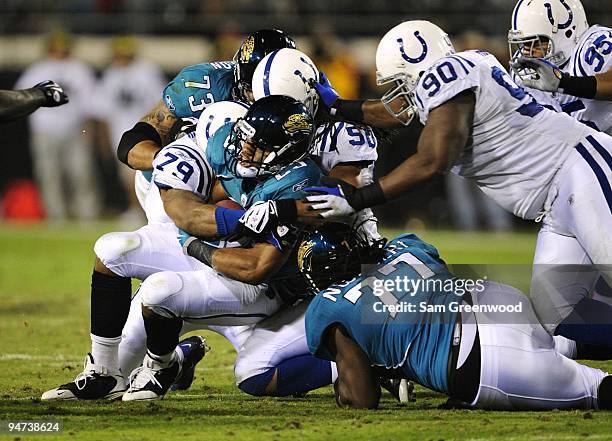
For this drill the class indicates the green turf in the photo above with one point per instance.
(44, 333)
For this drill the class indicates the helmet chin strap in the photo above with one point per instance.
(246, 172)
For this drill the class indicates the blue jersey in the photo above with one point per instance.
(197, 86)
(289, 183)
(416, 339)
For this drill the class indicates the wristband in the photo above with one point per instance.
(583, 87)
(227, 220)
(368, 196)
(201, 251)
(349, 109)
(286, 210)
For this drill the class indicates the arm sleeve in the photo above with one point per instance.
(15, 104)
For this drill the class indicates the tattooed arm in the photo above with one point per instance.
(140, 155)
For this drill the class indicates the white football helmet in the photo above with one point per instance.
(287, 72)
(561, 23)
(215, 116)
(403, 54)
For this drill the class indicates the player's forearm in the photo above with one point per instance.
(249, 265)
(414, 171)
(604, 86)
(199, 220)
(189, 212)
(375, 114)
(15, 104)
(140, 157)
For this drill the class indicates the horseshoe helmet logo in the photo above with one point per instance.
(551, 19)
(418, 59)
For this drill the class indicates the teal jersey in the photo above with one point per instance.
(289, 183)
(416, 339)
(197, 86)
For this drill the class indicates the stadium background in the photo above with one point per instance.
(341, 37)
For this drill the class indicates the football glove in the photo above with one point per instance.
(338, 199)
(538, 73)
(262, 217)
(54, 93)
(326, 91)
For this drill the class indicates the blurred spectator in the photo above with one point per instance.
(61, 147)
(336, 61)
(128, 89)
(228, 40)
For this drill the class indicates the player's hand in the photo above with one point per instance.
(538, 73)
(259, 219)
(54, 93)
(333, 201)
(326, 91)
(283, 237)
(182, 127)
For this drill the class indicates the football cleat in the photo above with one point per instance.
(194, 348)
(401, 389)
(152, 380)
(94, 383)
(604, 393)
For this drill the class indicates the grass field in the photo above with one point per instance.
(44, 335)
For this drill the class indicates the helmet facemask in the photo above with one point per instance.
(249, 156)
(399, 99)
(533, 46)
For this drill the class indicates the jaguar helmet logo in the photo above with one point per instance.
(304, 253)
(247, 49)
(296, 123)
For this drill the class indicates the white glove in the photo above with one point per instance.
(538, 73)
(334, 206)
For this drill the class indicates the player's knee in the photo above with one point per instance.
(158, 290)
(112, 248)
(257, 385)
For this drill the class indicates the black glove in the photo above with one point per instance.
(182, 127)
(54, 93)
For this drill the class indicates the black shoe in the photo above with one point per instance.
(194, 348)
(94, 383)
(152, 380)
(401, 389)
(604, 393)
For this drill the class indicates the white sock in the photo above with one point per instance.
(163, 361)
(105, 351)
(334, 372)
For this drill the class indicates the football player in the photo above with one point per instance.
(15, 104)
(259, 157)
(534, 162)
(554, 50)
(463, 343)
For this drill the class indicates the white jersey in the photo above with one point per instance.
(592, 56)
(517, 145)
(182, 166)
(345, 143)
